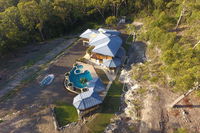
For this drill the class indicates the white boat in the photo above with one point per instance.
(47, 80)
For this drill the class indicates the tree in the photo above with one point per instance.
(4, 4)
(32, 16)
(11, 31)
(99, 5)
(62, 9)
(83, 80)
(159, 4)
(111, 20)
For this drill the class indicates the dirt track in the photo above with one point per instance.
(29, 110)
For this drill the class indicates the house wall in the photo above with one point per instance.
(100, 57)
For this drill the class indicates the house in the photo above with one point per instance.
(109, 31)
(88, 34)
(96, 85)
(108, 50)
(87, 100)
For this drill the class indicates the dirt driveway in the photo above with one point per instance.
(29, 110)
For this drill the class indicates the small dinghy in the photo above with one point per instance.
(47, 80)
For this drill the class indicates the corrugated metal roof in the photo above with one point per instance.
(115, 62)
(86, 100)
(99, 39)
(96, 85)
(110, 47)
(121, 52)
(89, 33)
(109, 31)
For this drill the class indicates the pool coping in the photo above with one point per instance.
(87, 67)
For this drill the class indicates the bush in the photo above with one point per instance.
(89, 50)
(112, 20)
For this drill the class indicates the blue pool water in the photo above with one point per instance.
(76, 74)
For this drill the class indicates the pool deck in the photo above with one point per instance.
(94, 75)
(89, 68)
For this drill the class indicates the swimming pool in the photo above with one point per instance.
(76, 74)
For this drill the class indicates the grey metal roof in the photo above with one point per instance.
(99, 39)
(115, 62)
(96, 85)
(109, 31)
(87, 100)
(121, 52)
(89, 33)
(110, 47)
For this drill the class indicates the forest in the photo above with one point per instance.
(26, 21)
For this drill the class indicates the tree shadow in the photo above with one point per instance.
(187, 106)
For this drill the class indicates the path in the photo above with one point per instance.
(29, 111)
(25, 73)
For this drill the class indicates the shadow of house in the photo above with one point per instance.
(137, 53)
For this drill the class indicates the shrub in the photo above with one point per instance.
(112, 20)
(89, 50)
(83, 80)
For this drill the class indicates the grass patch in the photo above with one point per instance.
(181, 130)
(142, 90)
(65, 114)
(1, 121)
(102, 76)
(101, 120)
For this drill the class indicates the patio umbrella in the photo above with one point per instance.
(115, 62)
(96, 85)
(86, 100)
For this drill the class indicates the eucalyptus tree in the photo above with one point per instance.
(99, 5)
(62, 9)
(11, 30)
(32, 16)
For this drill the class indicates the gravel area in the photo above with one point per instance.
(29, 110)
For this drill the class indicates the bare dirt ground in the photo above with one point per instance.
(155, 114)
(23, 57)
(29, 111)
(158, 116)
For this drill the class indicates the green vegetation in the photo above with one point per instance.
(174, 59)
(89, 50)
(65, 114)
(112, 20)
(102, 76)
(181, 130)
(83, 80)
(126, 46)
(101, 120)
(1, 121)
(26, 21)
(142, 90)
